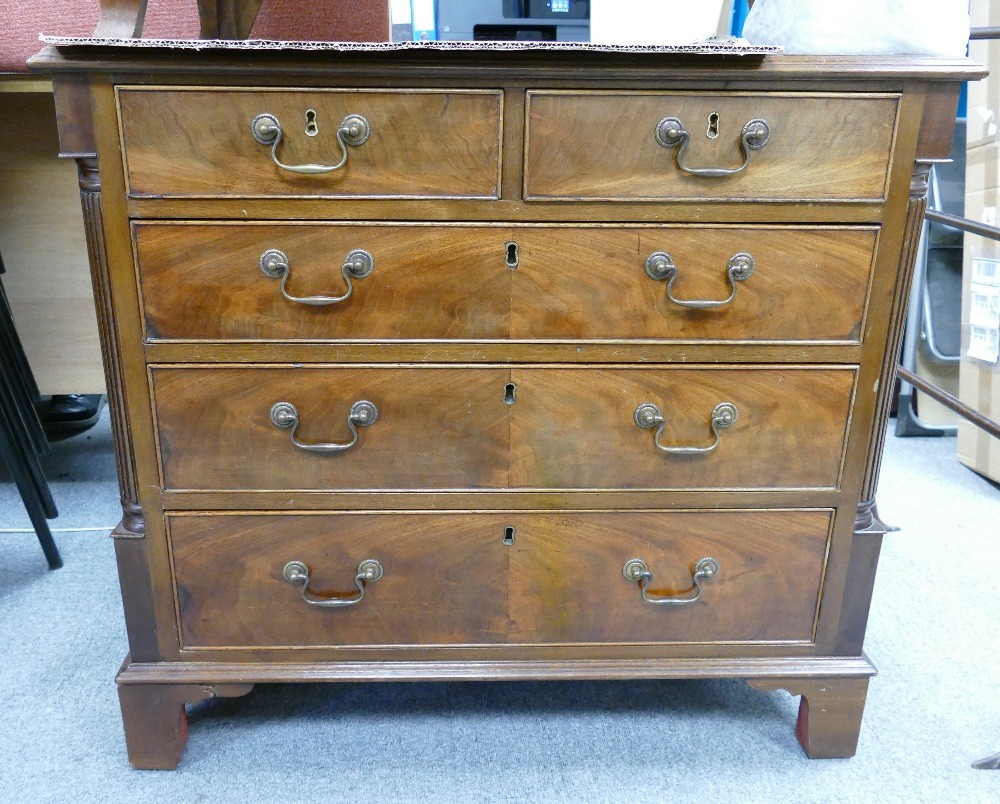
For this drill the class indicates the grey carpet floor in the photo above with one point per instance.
(934, 708)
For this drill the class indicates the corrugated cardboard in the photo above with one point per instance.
(984, 96)
(982, 169)
(979, 380)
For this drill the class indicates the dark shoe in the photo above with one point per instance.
(63, 415)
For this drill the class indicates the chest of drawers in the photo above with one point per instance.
(489, 364)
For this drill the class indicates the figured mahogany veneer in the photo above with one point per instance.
(423, 144)
(203, 282)
(464, 428)
(507, 335)
(599, 145)
(452, 579)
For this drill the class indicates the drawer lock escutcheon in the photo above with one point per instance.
(647, 416)
(353, 131)
(297, 574)
(363, 414)
(660, 265)
(358, 264)
(670, 133)
(637, 571)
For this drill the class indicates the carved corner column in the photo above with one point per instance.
(868, 525)
(867, 511)
(129, 536)
(132, 525)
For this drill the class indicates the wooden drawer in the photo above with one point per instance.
(603, 146)
(521, 578)
(436, 428)
(482, 428)
(204, 281)
(422, 143)
(592, 284)
(575, 428)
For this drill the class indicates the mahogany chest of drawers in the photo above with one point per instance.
(498, 364)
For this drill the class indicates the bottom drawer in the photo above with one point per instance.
(499, 578)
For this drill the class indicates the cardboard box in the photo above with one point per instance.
(979, 370)
(982, 168)
(984, 96)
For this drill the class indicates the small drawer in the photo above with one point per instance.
(252, 282)
(488, 579)
(437, 428)
(259, 428)
(680, 428)
(723, 283)
(406, 143)
(592, 146)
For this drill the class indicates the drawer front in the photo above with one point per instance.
(604, 146)
(204, 281)
(576, 428)
(725, 283)
(440, 583)
(483, 428)
(519, 578)
(436, 428)
(422, 144)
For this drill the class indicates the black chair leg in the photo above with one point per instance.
(33, 502)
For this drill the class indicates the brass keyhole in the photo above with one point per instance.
(512, 256)
(713, 126)
(311, 128)
(508, 535)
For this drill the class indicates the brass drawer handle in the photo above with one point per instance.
(670, 133)
(297, 574)
(647, 416)
(636, 570)
(354, 130)
(358, 263)
(660, 265)
(363, 414)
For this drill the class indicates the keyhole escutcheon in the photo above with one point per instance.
(311, 128)
(510, 260)
(510, 394)
(508, 535)
(713, 126)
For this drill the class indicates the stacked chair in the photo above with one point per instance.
(22, 439)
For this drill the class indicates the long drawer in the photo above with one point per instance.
(652, 146)
(433, 427)
(412, 143)
(521, 578)
(537, 283)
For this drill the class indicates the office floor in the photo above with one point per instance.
(934, 708)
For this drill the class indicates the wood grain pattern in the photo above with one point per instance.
(451, 282)
(204, 282)
(437, 428)
(591, 284)
(598, 145)
(423, 144)
(445, 579)
(450, 428)
(573, 428)
(567, 583)
(451, 579)
(845, 135)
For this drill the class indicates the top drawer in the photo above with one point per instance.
(593, 146)
(420, 143)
